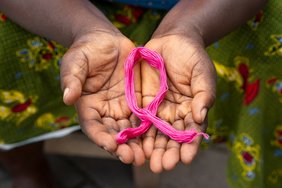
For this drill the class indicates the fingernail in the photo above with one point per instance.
(203, 114)
(66, 92)
(106, 149)
(120, 158)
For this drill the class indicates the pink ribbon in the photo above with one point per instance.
(147, 115)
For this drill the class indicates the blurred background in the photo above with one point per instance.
(78, 163)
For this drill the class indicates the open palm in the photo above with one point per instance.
(191, 81)
(93, 78)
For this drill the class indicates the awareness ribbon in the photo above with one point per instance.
(147, 115)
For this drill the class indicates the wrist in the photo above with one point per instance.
(177, 22)
(90, 29)
(90, 19)
(190, 32)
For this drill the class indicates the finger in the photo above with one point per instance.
(172, 154)
(188, 151)
(125, 153)
(189, 123)
(148, 142)
(150, 135)
(91, 124)
(99, 134)
(158, 152)
(136, 147)
(134, 144)
(200, 105)
(73, 73)
(203, 86)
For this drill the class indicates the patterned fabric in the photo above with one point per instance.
(30, 96)
(246, 115)
(248, 110)
(156, 4)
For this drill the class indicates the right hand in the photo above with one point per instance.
(191, 82)
(92, 77)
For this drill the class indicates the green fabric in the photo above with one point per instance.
(247, 113)
(30, 97)
(248, 110)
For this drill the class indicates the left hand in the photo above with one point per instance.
(191, 80)
(92, 76)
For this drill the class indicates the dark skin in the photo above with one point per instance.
(92, 69)
(97, 70)
(181, 39)
(182, 100)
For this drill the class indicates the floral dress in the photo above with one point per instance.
(248, 110)
(247, 114)
(30, 98)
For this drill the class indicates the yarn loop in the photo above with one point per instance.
(147, 115)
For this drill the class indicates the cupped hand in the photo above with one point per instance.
(191, 80)
(92, 77)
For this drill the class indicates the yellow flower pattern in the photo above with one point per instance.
(14, 106)
(40, 54)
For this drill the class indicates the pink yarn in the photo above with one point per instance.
(148, 114)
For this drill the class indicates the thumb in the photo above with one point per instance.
(203, 85)
(73, 71)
